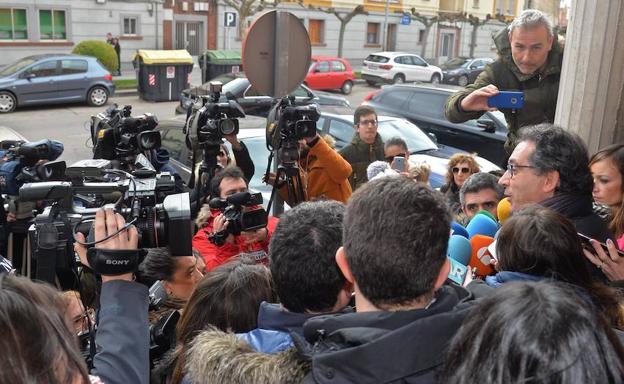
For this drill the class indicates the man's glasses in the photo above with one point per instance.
(462, 170)
(389, 159)
(369, 122)
(513, 168)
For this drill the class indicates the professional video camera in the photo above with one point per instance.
(20, 160)
(287, 124)
(243, 212)
(116, 135)
(53, 232)
(208, 120)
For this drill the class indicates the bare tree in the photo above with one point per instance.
(246, 8)
(428, 22)
(344, 17)
(475, 22)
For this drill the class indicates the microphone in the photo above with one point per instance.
(482, 225)
(481, 257)
(503, 211)
(488, 214)
(458, 229)
(457, 272)
(459, 249)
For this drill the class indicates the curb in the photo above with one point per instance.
(126, 92)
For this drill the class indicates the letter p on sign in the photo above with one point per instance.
(230, 19)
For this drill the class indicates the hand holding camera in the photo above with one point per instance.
(477, 101)
(108, 223)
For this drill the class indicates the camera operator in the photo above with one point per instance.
(324, 173)
(41, 350)
(251, 244)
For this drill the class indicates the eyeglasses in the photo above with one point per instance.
(368, 122)
(462, 170)
(389, 159)
(513, 168)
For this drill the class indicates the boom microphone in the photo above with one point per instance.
(503, 211)
(459, 249)
(458, 229)
(481, 225)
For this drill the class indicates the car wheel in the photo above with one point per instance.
(371, 83)
(97, 96)
(347, 87)
(398, 79)
(463, 81)
(8, 102)
(435, 79)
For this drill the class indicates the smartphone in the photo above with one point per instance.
(507, 99)
(398, 164)
(585, 241)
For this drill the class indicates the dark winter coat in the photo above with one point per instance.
(540, 89)
(360, 155)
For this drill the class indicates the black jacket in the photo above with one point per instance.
(579, 210)
(384, 347)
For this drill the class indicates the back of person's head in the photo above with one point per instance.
(535, 333)
(228, 298)
(478, 182)
(540, 242)
(561, 151)
(615, 154)
(38, 345)
(395, 240)
(302, 257)
(420, 172)
(396, 142)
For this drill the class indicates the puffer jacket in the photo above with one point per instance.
(540, 89)
(360, 155)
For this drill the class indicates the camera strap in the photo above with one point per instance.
(115, 262)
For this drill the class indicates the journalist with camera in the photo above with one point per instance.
(233, 224)
(309, 167)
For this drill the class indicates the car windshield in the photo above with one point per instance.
(259, 155)
(417, 141)
(455, 63)
(12, 68)
(236, 86)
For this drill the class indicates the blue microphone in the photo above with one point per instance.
(457, 272)
(458, 229)
(459, 249)
(481, 225)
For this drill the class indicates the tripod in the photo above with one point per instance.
(207, 170)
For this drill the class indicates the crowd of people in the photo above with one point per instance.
(512, 277)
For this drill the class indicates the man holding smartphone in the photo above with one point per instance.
(529, 61)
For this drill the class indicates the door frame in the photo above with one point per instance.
(203, 43)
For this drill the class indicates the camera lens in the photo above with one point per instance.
(228, 126)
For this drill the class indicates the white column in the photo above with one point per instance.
(591, 90)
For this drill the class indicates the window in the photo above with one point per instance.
(341, 131)
(428, 104)
(475, 3)
(322, 66)
(394, 98)
(421, 36)
(316, 30)
(44, 69)
(372, 33)
(130, 26)
(13, 24)
(338, 66)
(418, 61)
(403, 60)
(52, 25)
(69, 67)
(174, 141)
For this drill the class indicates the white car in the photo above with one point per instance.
(397, 68)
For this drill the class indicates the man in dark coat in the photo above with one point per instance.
(114, 41)
(529, 61)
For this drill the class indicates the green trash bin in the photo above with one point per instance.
(162, 74)
(217, 62)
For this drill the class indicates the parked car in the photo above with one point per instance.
(252, 102)
(398, 68)
(330, 73)
(424, 106)
(51, 79)
(463, 70)
(252, 132)
(421, 146)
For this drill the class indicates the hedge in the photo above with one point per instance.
(99, 49)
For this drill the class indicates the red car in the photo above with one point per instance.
(330, 73)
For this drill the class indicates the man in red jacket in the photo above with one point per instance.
(251, 244)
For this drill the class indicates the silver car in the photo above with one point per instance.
(51, 79)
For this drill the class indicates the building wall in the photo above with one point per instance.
(85, 20)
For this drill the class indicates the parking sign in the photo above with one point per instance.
(230, 19)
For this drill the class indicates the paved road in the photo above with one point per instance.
(69, 122)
